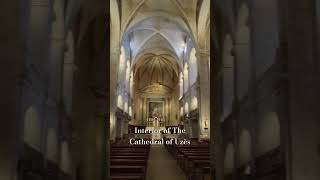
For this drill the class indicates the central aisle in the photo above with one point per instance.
(162, 165)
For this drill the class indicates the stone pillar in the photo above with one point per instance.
(102, 146)
(119, 124)
(125, 127)
(54, 114)
(169, 112)
(114, 59)
(303, 71)
(11, 56)
(68, 70)
(144, 111)
(204, 81)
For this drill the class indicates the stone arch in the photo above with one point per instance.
(244, 146)
(155, 33)
(229, 159)
(180, 21)
(242, 49)
(133, 20)
(32, 128)
(228, 76)
(167, 51)
(268, 132)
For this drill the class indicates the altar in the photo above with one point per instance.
(155, 122)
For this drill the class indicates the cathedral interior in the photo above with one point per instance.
(238, 79)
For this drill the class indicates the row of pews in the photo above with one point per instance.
(128, 162)
(193, 159)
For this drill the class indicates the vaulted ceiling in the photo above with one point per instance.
(156, 29)
(157, 32)
(156, 69)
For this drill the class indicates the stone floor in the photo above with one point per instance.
(162, 166)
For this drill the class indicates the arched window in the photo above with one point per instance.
(186, 108)
(131, 84)
(120, 102)
(181, 85)
(65, 158)
(229, 159)
(32, 128)
(186, 77)
(128, 73)
(244, 146)
(52, 145)
(193, 73)
(126, 107)
(122, 65)
(268, 132)
(194, 103)
(130, 111)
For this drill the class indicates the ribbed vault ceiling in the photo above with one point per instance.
(157, 32)
(152, 68)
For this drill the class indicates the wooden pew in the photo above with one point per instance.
(134, 172)
(194, 160)
(128, 162)
(129, 154)
(127, 177)
(184, 163)
(127, 157)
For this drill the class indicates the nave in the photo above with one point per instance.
(78, 75)
(163, 166)
(156, 162)
(161, 81)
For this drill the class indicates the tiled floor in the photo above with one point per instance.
(162, 166)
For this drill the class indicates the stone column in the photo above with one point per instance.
(102, 146)
(167, 121)
(303, 71)
(125, 127)
(144, 111)
(113, 79)
(204, 81)
(11, 56)
(56, 56)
